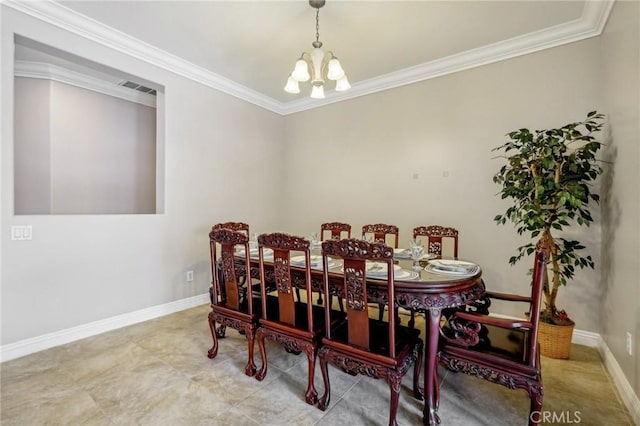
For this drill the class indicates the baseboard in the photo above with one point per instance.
(586, 338)
(625, 390)
(46, 341)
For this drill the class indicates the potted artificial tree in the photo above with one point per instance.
(548, 177)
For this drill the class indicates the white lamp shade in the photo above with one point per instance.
(301, 71)
(335, 71)
(292, 86)
(317, 92)
(342, 84)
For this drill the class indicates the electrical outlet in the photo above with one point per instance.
(629, 344)
(189, 276)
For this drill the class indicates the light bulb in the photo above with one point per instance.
(317, 92)
(335, 71)
(301, 71)
(342, 84)
(292, 86)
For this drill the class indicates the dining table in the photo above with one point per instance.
(419, 287)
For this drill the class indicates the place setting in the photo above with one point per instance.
(315, 260)
(452, 267)
(379, 270)
(254, 252)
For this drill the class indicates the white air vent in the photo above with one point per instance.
(138, 87)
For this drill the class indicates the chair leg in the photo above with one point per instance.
(323, 403)
(436, 385)
(340, 304)
(250, 369)
(214, 334)
(311, 396)
(260, 375)
(536, 395)
(418, 392)
(380, 311)
(394, 380)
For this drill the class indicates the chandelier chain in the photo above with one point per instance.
(317, 25)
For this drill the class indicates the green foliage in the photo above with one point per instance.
(548, 178)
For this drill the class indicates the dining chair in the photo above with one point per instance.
(233, 303)
(296, 325)
(379, 232)
(363, 345)
(234, 226)
(335, 230)
(435, 235)
(500, 350)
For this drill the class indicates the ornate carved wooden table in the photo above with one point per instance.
(429, 294)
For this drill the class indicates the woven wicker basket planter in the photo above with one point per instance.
(555, 340)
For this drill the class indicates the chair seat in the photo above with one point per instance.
(489, 360)
(406, 339)
(301, 326)
(509, 344)
(242, 313)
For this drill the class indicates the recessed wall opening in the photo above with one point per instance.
(87, 137)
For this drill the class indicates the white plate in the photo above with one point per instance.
(316, 262)
(299, 260)
(403, 274)
(435, 270)
(379, 269)
(406, 254)
(398, 273)
(254, 253)
(450, 265)
(402, 253)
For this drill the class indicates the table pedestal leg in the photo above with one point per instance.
(432, 333)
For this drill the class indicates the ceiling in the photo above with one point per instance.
(251, 46)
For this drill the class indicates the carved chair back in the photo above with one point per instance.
(379, 231)
(228, 282)
(336, 229)
(435, 235)
(282, 246)
(355, 254)
(234, 226)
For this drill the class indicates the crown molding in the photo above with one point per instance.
(61, 16)
(590, 24)
(44, 71)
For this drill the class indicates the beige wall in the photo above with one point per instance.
(621, 207)
(354, 161)
(83, 268)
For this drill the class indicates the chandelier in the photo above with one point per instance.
(317, 66)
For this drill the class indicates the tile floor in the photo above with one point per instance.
(157, 373)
